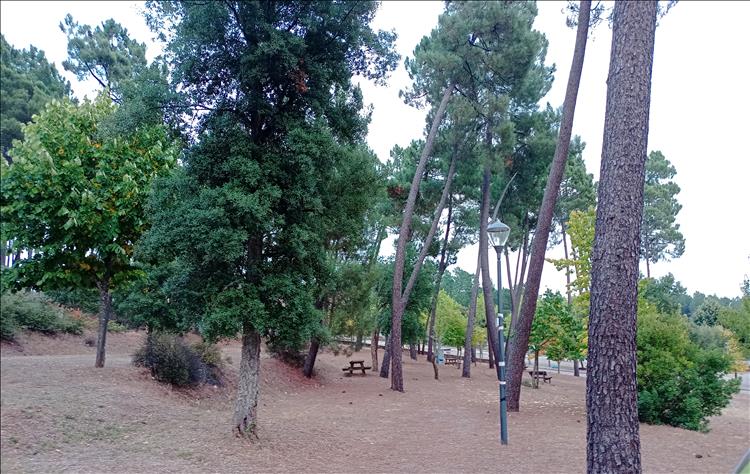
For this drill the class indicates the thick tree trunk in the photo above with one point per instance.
(613, 440)
(246, 407)
(105, 313)
(441, 270)
(468, 348)
(385, 366)
(489, 308)
(312, 354)
(374, 341)
(358, 342)
(412, 351)
(520, 343)
(397, 304)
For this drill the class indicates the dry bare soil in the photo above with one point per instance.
(61, 414)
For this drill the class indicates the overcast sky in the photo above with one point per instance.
(699, 108)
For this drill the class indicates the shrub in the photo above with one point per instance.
(210, 354)
(680, 383)
(8, 326)
(171, 360)
(115, 327)
(32, 311)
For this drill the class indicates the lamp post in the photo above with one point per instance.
(498, 235)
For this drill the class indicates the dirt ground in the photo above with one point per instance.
(58, 413)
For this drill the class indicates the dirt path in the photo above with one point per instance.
(60, 414)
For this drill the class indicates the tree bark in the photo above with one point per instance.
(246, 407)
(385, 366)
(441, 270)
(520, 343)
(468, 348)
(397, 297)
(648, 268)
(489, 307)
(613, 440)
(105, 313)
(412, 351)
(374, 341)
(358, 342)
(312, 354)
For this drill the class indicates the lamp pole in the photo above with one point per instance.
(498, 235)
(501, 351)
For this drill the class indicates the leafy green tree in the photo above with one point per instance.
(707, 313)
(76, 197)
(660, 234)
(737, 320)
(680, 383)
(28, 83)
(279, 127)
(105, 53)
(665, 293)
(450, 325)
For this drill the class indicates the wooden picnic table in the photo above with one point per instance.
(356, 365)
(453, 360)
(541, 374)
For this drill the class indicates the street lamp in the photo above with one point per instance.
(498, 234)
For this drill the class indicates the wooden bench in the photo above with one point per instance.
(453, 360)
(355, 365)
(541, 374)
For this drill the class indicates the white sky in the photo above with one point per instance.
(699, 109)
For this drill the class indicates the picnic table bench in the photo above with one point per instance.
(356, 365)
(453, 360)
(541, 374)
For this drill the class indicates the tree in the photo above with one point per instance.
(681, 370)
(105, 53)
(665, 293)
(613, 441)
(708, 312)
(519, 338)
(277, 128)
(737, 320)
(28, 83)
(660, 234)
(77, 198)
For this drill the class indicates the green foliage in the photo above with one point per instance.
(209, 353)
(33, 311)
(708, 312)
(680, 383)
(556, 330)
(450, 321)
(85, 299)
(106, 53)
(737, 320)
(577, 191)
(116, 327)
(660, 234)
(665, 293)
(77, 198)
(581, 232)
(276, 184)
(171, 360)
(28, 83)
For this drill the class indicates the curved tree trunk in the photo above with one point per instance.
(397, 303)
(246, 408)
(576, 370)
(519, 342)
(105, 314)
(468, 349)
(613, 440)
